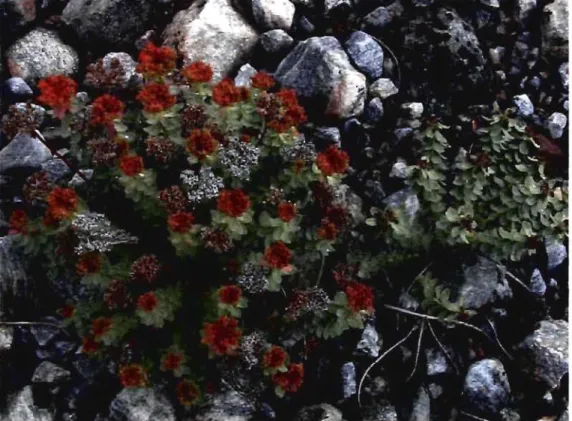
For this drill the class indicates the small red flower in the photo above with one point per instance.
(262, 80)
(147, 302)
(188, 392)
(327, 231)
(89, 345)
(333, 161)
(233, 202)
(275, 357)
(225, 93)
(62, 202)
(229, 294)
(156, 97)
(156, 61)
(360, 297)
(201, 143)
(18, 222)
(101, 326)
(337, 215)
(180, 221)
(66, 311)
(199, 72)
(105, 109)
(286, 211)
(88, 263)
(223, 336)
(172, 361)
(131, 165)
(133, 375)
(57, 92)
(278, 255)
(292, 379)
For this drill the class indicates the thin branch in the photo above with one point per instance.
(22, 323)
(60, 156)
(418, 350)
(498, 340)
(418, 276)
(381, 357)
(384, 45)
(321, 269)
(473, 416)
(518, 281)
(443, 348)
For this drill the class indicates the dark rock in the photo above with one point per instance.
(48, 372)
(322, 412)
(14, 282)
(88, 368)
(15, 90)
(556, 253)
(563, 71)
(537, 284)
(373, 112)
(524, 9)
(21, 407)
(555, 29)
(366, 54)
(302, 27)
(544, 353)
(226, 406)
(556, 124)
(401, 134)
(319, 70)
(486, 389)
(421, 410)
(326, 136)
(276, 42)
(273, 14)
(399, 170)
(369, 342)
(141, 404)
(408, 201)
(377, 20)
(349, 385)
(57, 169)
(112, 22)
(24, 154)
(382, 88)
(6, 338)
(15, 14)
(41, 53)
(437, 363)
(44, 333)
(484, 283)
(332, 7)
(382, 411)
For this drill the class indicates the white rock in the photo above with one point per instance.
(273, 14)
(383, 88)
(556, 124)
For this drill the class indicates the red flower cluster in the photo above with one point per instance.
(225, 93)
(262, 80)
(292, 379)
(181, 222)
(62, 203)
(89, 345)
(156, 97)
(147, 302)
(201, 143)
(105, 109)
(57, 92)
(275, 357)
(172, 361)
(327, 231)
(233, 202)
(290, 113)
(133, 375)
(229, 294)
(88, 263)
(188, 392)
(101, 326)
(18, 222)
(131, 165)
(278, 255)
(333, 161)
(286, 211)
(198, 72)
(360, 296)
(336, 218)
(223, 336)
(66, 311)
(156, 61)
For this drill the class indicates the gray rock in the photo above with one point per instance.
(435, 391)
(273, 14)
(349, 380)
(21, 407)
(497, 54)
(382, 88)
(48, 372)
(563, 71)
(405, 201)
(276, 41)
(524, 106)
(524, 9)
(141, 404)
(227, 406)
(41, 53)
(319, 69)
(378, 19)
(555, 251)
(544, 353)
(16, 89)
(483, 283)
(77, 181)
(412, 109)
(113, 22)
(555, 29)
(373, 112)
(322, 412)
(23, 154)
(6, 338)
(333, 5)
(366, 54)
(44, 333)
(14, 281)
(537, 284)
(421, 407)
(436, 362)
(244, 75)
(326, 136)
(564, 416)
(486, 387)
(369, 342)
(508, 414)
(382, 411)
(129, 77)
(57, 169)
(17, 13)
(399, 170)
(556, 124)
(212, 31)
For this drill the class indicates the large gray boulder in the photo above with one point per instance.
(41, 53)
(21, 407)
(555, 29)
(23, 154)
(319, 70)
(486, 389)
(214, 32)
(141, 404)
(113, 22)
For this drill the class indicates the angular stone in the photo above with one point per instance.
(412, 109)
(383, 88)
(537, 284)
(6, 337)
(544, 353)
(41, 53)
(112, 22)
(229, 405)
(21, 407)
(273, 14)
(378, 19)
(319, 70)
(23, 154)
(366, 54)
(326, 136)
(399, 170)
(486, 387)
(212, 31)
(383, 411)
(436, 362)
(44, 333)
(524, 9)
(405, 201)
(373, 112)
(556, 252)
(276, 41)
(56, 169)
(349, 385)
(16, 89)
(369, 342)
(421, 410)
(322, 412)
(141, 404)
(524, 105)
(14, 282)
(331, 6)
(556, 124)
(483, 283)
(244, 75)
(48, 372)
(555, 29)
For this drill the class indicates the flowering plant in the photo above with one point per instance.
(227, 215)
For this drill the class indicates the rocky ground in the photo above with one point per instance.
(367, 71)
